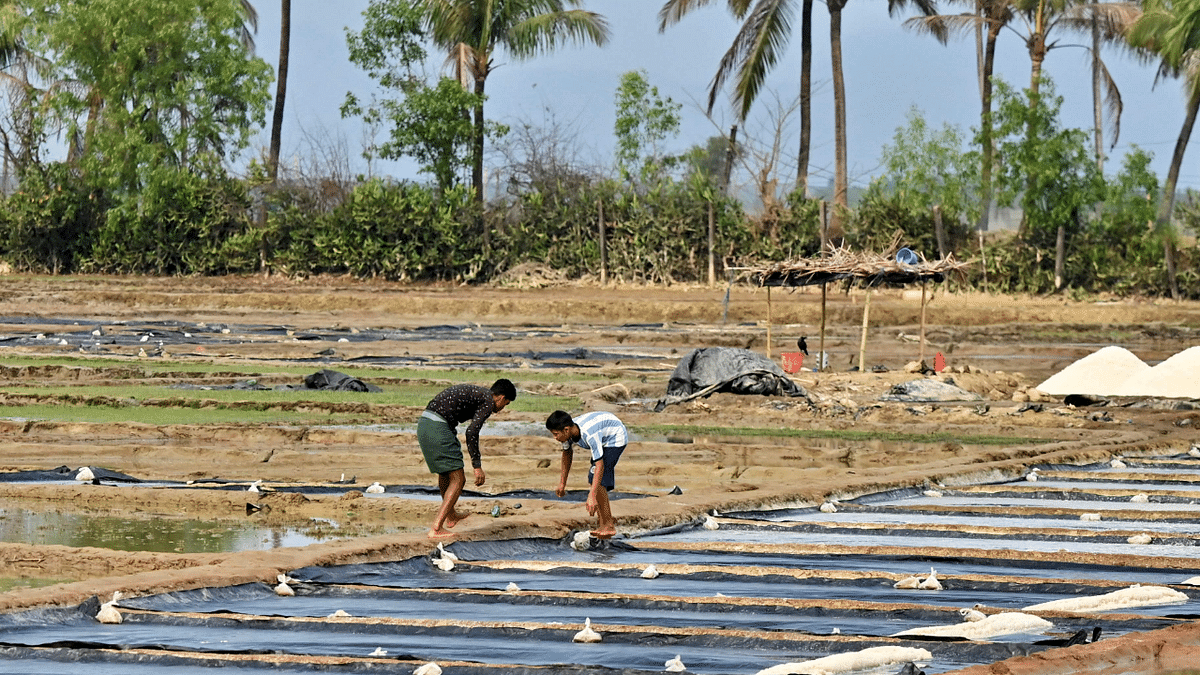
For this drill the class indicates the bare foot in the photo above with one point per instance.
(603, 534)
(455, 519)
(440, 534)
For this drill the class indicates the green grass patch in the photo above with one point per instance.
(841, 434)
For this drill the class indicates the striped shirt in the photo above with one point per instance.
(599, 430)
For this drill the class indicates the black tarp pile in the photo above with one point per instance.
(726, 369)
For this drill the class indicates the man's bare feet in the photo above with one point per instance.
(440, 534)
(455, 519)
(603, 534)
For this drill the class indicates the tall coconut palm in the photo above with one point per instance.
(472, 30)
(1170, 30)
(756, 49)
(281, 75)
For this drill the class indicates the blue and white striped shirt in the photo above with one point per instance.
(599, 430)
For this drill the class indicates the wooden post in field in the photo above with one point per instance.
(922, 320)
(603, 244)
(712, 245)
(940, 230)
(862, 346)
(821, 348)
(769, 321)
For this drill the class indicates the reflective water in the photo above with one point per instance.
(157, 533)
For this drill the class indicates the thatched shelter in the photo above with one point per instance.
(871, 269)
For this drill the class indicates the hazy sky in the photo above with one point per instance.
(888, 70)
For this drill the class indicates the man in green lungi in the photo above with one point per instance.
(438, 436)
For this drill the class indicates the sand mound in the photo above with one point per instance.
(1177, 377)
(1101, 373)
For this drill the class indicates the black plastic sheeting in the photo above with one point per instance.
(321, 601)
(711, 370)
(731, 655)
(64, 473)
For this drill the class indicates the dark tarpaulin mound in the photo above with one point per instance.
(332, 380)
(726, 369)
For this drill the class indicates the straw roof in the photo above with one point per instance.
(842, 263)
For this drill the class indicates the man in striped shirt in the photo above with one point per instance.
(605, 437)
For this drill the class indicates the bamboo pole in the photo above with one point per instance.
(769, 322)
(821, 350)
(862, 346)
(712, 246)
(922, 320)
(603, 244)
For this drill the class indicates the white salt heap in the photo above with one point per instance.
(1101, 373)
(1134, 596)
(1004, 623)
(1177, 377)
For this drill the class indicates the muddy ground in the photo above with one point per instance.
(998, 347)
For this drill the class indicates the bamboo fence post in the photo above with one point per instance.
(769, 322)
(603, 244)
(922, 321)
(712, 245)
(862, 346)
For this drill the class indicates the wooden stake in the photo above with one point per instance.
(603, 244)
(768, 322)
(922, 320)
(821, 353)
(862, 347)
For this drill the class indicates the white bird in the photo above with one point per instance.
(340, 614)
(675, 665)
(969, 614)
(710, 523)
(835, 631)
(1140, 539)
(254, 486)
(442, 552)
(283, 589)
(85, 474)
(1117, 463)
(444, 564)
(379, 651)
(375, 488)
(931, 582)
(587, 634)
(1140, 498)
(650, 572)
(907, 582)
(932, 493)
(144, 338)
(1089, 516)
(108, 613)
(828, 507)
(512, 587)
(430, 668)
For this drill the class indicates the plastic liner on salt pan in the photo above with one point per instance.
(709, 653)
(321, 601)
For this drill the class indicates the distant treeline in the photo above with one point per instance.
(184, 224)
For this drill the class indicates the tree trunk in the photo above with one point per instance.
(285, 34)
(840, 197)
(1097, 94)
(477, 164)
(805, 97)
(988, 152)
(1162, 223)
(730, 156)
(1060, 255)
(939, 231)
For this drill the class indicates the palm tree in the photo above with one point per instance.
(756, 49)
(1040, 19)
(1171, 30)
(285, 36)
(472, 30)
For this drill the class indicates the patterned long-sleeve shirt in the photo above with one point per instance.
(462, 402)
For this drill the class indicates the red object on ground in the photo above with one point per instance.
(939, 363)
(792, 361)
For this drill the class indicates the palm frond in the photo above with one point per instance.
(546, 32)
(1112, 101)
(673, 11)
(942, 26)
(771, 26)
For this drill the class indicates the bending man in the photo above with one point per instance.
(437, 434)
(605, 437)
